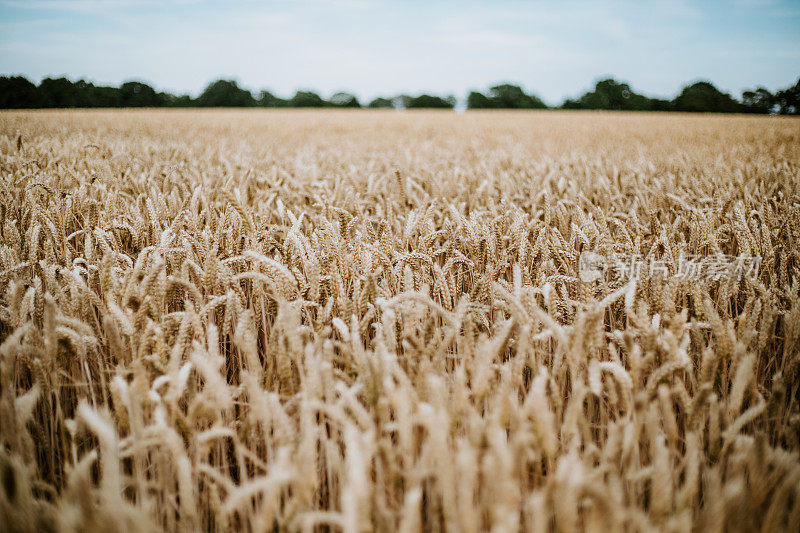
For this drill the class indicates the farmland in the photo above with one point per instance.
(248, 320)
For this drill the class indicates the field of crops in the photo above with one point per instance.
(313, 320)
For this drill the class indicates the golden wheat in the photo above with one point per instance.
(374, 320)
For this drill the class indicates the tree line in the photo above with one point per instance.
(17, 92)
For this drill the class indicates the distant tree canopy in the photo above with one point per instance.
(137, 94)
(611, 94)
(267, 99)
(701, 96)
(61, 92)
(476, 100)
(16, 92)
(704, 97)
(513, 97)
(342, 99)
(788, 100)
(306, 99)
(658, 104)
(758, 101)
(225, 93)
(380, 103)
(183, 100)
(426, 101)
(504, 96)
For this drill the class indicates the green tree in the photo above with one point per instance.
(704, 97)
(267, 99)
(380, 102)
(17, 92)
(659, 104)
(508, 96)
(138, 94)
(172, 100)
(59, 92)
(343, 99)
(426, 101)
(758, 101)
(611, 94)
(225, 93)
(788, 100)
(476, 100)
(99, 96)
(306, 99)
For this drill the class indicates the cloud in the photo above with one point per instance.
(83, 6)
(86, 5)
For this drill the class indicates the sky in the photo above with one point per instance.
(385, 47)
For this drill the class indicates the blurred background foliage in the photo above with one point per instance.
(17, 92)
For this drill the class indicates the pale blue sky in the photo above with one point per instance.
(554, 49)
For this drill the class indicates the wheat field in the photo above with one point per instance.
(352, 321)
